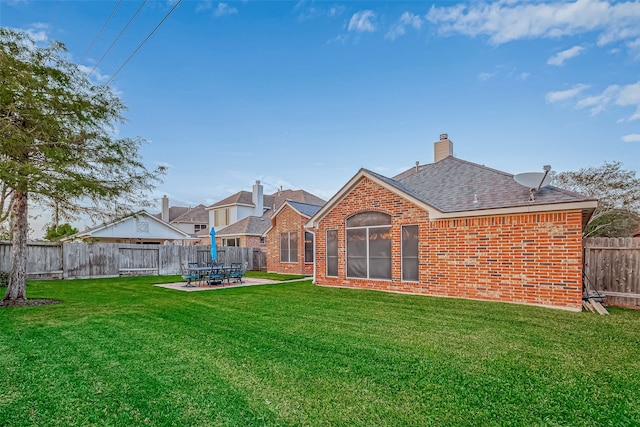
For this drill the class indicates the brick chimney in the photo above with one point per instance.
(165, 209)
(257, 197)
(443, 148)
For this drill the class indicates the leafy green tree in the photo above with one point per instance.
(618, 194)
(57, 232)
(58, 143)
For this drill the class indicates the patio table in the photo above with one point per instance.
(198, 271)
(218, 274)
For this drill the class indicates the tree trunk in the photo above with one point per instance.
(18, 278)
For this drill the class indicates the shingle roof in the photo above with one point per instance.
(305, 208)
(275, 200)
(271, 202)
(455, 185)
(196, 215)
(239, 198)
(252, 225)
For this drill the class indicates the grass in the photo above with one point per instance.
(275, 276)
(120, 352)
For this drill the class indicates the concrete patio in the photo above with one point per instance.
(246, 281)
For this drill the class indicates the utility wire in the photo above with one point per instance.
(143, 42)
(100, 32)
(119, 35)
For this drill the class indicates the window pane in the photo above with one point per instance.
(357, 243)
(380, 242)
(379, 268)
(369, 218)
(308, 247)
(410, 240)
(356, 267)
(410, 269)
(380, 252)
(293, 247)
(410, 253)
(357, 252)
(221, 217)
(332, 253)
(284, 247)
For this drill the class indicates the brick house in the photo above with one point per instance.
(454, 228)
(290, 248)
(243, 218)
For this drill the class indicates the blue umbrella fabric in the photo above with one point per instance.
(214, 251)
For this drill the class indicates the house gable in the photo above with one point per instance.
(288, 221)
(140, 225)
(362, 175)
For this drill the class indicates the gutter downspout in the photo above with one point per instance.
(313, 280)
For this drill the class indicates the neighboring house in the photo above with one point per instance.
(140, 227)
(290, 248)
(242, 218)
(457, 229)
(191, 220)
(246, 233)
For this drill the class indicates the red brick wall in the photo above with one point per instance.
(532, 258)
(286, 221)
(252, 242)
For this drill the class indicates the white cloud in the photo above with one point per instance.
(38, 31)
(613, 95)
(630, 96)
(225, 9)
(559, 58)
(598, 103)
(634, 47)
(362, 22)
(633, 137)
(204, 5)
(506, 20)
(563, 95)
(407, 19)
(310, 10)
(340, 39)
(95, 74)
(486, 76)
(336, 11)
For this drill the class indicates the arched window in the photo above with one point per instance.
(369, 245)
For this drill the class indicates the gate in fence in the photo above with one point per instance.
(612, 267)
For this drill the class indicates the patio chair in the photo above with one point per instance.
(190, 276)
(237, 272)
(216, 275)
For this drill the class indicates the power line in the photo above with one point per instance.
(100, 32)
(119, 35)
(144, 41)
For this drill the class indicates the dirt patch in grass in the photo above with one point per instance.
(27, 302)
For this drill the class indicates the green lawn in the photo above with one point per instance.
(120, 352)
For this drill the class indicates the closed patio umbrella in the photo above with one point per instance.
(214, 252)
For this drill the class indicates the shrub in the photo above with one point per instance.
(4, 279)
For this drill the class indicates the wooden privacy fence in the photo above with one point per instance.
(612, 267)
(83, 260)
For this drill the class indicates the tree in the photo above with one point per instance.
(58, 145)
(57, 232)
(618, 194)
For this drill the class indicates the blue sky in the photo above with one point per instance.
(303, 94)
